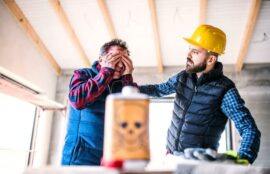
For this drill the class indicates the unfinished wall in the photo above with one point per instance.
(19, 56)
(253, 83)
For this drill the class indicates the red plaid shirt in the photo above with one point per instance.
(84, 88)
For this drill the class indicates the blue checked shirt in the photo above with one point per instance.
(233, 106)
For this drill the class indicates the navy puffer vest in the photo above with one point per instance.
(197, 119)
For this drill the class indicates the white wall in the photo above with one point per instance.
(19, 56)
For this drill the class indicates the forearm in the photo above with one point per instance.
(153, 90)
(84, 90)
(159, 90)
(250, 144)
(127, 80)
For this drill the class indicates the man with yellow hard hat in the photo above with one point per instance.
(205, 99)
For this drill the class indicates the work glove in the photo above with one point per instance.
(231, 157)
(208, 154)
(201, 154)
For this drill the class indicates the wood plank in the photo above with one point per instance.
(56, 4)
(12, 88)
(251, 22)
(27, 27)
(107, 18)
(203, 7)
(152, 8)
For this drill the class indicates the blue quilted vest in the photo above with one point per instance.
(85, 128)
(197, 119)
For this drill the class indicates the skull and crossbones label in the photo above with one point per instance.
(131, 129)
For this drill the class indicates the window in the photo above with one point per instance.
(159, 120)
(16, 126)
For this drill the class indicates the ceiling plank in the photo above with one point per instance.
(107, 18)
(203, 6)
(27, 27)
(251, 21)
(56, 4)
(152, 8)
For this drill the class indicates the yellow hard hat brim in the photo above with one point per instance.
(192, 42)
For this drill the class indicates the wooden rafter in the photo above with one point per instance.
(27, 27)
(107, 18)
(56, 4)
(251, 21)
(156, 34)
(203, 6)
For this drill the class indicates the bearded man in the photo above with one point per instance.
(204, 100)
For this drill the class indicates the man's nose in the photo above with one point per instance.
(120, 64)
(189, 53)
(118, 68)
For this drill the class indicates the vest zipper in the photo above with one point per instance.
(110, 91)
(195, 91)
(111, 88)
(184, 113)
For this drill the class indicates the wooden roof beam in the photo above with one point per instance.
(56, 4)
(203, 7)
(152, 8)
(27, 27)
(107, 18)
(250, 24)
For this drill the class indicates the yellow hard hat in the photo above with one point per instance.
(210, 38)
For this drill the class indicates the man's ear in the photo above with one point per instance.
(212, 59)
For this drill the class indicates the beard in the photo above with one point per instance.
(191, 68)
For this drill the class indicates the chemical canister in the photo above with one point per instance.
(126, 128)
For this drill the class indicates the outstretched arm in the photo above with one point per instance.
(159, 90)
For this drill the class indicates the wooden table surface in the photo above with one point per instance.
(199, 168)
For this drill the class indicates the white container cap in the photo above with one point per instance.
(128, 92)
